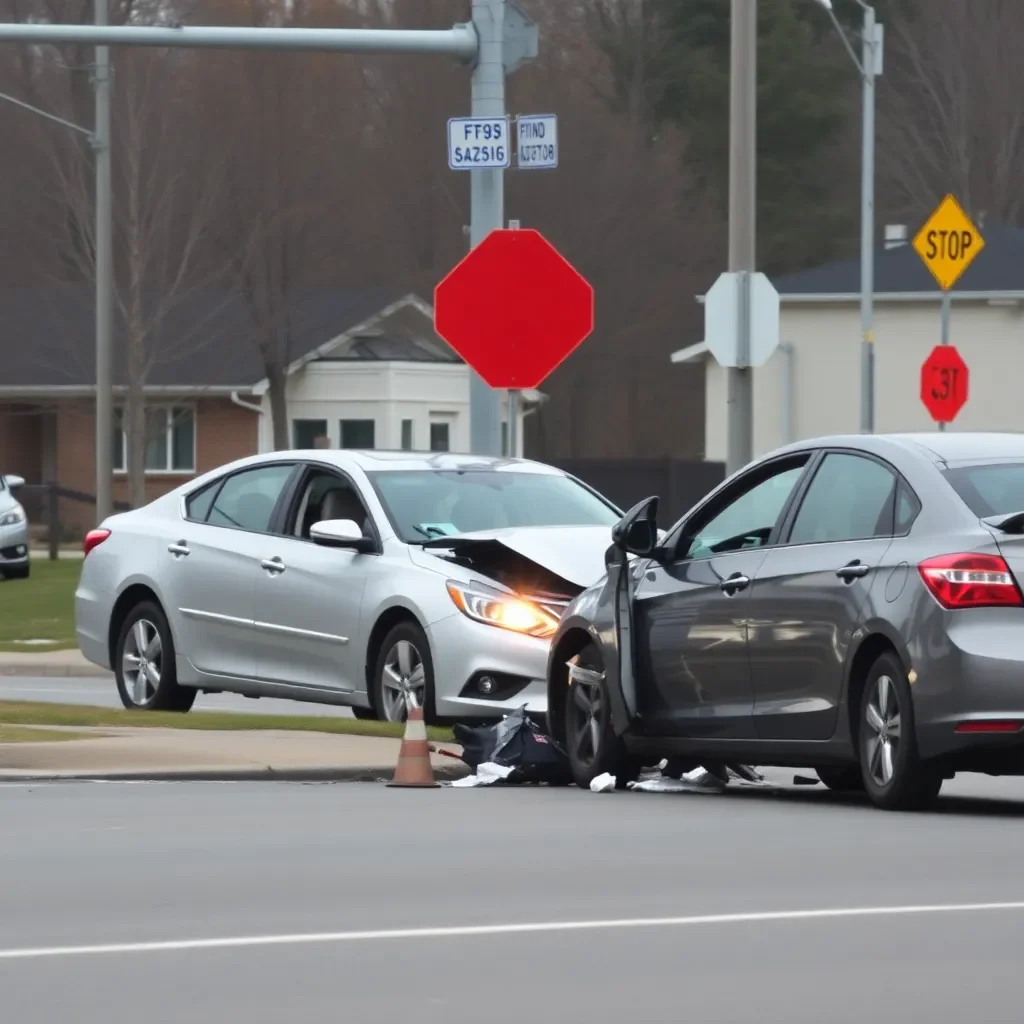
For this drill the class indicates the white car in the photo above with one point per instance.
(345, 577)
(14, 557)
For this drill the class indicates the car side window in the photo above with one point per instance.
(745, 522)
(247, 499)
(907, 508)
(197, 504)
(850, 498)
(326, 495)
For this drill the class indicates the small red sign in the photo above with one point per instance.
(514, 308)
(944, 383)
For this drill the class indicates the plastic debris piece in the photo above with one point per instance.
(486, 775)
(603, 783)
(804, 780)
(697, 781)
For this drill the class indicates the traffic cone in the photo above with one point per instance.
(414, 770)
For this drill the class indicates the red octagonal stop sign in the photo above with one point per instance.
(944, 383)
(514, 308)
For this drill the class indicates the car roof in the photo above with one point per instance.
(945, 446)
(383, 461)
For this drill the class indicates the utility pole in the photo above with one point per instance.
(486, 200)
(871, 66)
(742, 221)
(104, 280)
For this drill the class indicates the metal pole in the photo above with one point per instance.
(742, 218)
(104, 280)
(459, 41)
(513, 424)
(486, 201)
(946, 309)
(867, 229)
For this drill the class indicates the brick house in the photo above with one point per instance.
(367, 370)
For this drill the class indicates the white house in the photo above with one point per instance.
(387, 382)
(811, 385)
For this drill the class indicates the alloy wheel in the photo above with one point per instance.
(404, 674)
(586, 720)
(882, 721)
(142, 662)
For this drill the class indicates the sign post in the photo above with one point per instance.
(948, 244)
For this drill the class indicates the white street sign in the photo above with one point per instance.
(478, 143)
(722, 320)
(537, 142)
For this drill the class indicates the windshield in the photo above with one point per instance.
(991, 489)
(423, 504)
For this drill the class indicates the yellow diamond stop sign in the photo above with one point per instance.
(948, 243)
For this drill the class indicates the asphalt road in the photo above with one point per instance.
(102, 693)
(357, 903)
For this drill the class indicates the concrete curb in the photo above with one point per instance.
(53, 670)
(313, 774)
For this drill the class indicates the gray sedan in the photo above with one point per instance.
(365, 579)
(848, 604)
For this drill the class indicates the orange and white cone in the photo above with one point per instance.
(414, 770)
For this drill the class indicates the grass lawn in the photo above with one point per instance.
(18, 713)
(26, 734)
(41, 607)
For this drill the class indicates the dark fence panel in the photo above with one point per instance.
(679, 483)
(42, 507)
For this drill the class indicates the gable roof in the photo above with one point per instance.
(47, 336)
(998, 270)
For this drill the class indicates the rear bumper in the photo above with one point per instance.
(92, 620)
(978, 678)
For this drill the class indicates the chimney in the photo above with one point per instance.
(895, 235)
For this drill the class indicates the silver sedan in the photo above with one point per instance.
(14, 557)
(358, 578)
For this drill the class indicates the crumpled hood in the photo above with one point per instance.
(573, 553)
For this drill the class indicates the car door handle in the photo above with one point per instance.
(735, 583)
(853, 571)
(273, 565)
(179, 550)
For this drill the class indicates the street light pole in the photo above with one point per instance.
(870, 66)
(742, 221)
(104, 280)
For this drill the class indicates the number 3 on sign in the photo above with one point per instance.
(947, 382)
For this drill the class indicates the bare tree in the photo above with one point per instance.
(165, 195)
(950, 117)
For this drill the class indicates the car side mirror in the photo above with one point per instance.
(637, 531)
(14, 482)
(340, 533)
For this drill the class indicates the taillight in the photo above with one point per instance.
(93, 539)
(971, 581)
(989, 726)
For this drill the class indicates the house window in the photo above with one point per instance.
(170, 440)
(357, 433)
(439, 437)
(305, 432)
(406, 435)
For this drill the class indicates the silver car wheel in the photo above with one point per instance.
(141, 662)
(403, 674)
(586, 718)
(882, 720)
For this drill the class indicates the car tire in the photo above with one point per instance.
(145, 667)
(894, 776)
(21, 573)
(589, 738)
(844, 779)
(364, 714)
(404, 659)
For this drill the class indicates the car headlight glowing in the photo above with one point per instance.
(505, 611)
(12, 518)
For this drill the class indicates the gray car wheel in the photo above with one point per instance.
(404, 666)
(144, 665)
(894, 776)
(589, 739)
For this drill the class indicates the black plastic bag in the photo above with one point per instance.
(515, 742)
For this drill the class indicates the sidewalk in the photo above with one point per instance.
(178, 754)
(49, 663)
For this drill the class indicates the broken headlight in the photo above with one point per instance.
(502, 610)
